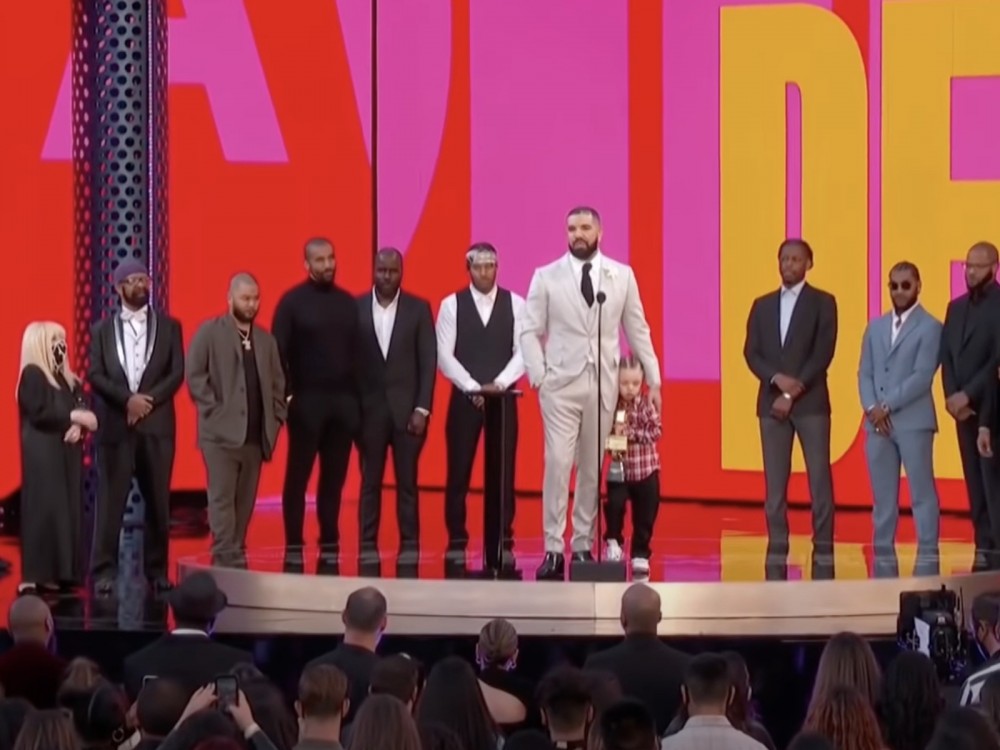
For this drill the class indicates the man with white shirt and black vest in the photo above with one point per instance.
(136, 369)
(477, 337)
(398, 353)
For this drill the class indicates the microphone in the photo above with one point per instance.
(601, 298)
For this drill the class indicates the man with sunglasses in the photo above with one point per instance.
(899, 356)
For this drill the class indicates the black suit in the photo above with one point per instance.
(969, 359)
(648, 670)
(805, 354)
(392, 388)
(191, 661)
(145, 450)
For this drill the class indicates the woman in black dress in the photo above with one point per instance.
(54, 422)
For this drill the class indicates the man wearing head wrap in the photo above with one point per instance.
(477, 334)
(136, 368)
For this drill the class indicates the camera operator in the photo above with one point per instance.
(986, 629)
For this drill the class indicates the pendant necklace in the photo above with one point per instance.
(244, 339)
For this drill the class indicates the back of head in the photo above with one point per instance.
(158, 708)
(451, 696)
(202, 725)
(436, 736)
(47, 730)
(961, 728)
(396, 675)
(29, 620)
(99, 714)
(365, 611)
(811, 741)
(605, 689)
(707, 685)
(847, 659)
(844, 715)
(383, 723)
(271, 712)
(640, 612)
(81, 675)
(564, 696)
(910, 701)
(497, 644)
(322, 693)
(628, 725)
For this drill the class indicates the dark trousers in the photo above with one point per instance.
(150, 459)
(233, 476)
(645, 497)
(462, 429)
(378, 434)
(776, 438)
(315, 426)
(982, 483)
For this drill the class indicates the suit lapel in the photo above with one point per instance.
(574, 297)
(912, 322)
(117, 331)
(396, 323)
(368, 320)
(797, 314)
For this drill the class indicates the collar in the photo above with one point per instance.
(139, 316)
(906, 314)
(793, 291)
(395, 300)
(189, 631)
(478, 296)
(708, 720)
(595, 260)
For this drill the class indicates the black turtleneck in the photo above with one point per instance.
(316, 326)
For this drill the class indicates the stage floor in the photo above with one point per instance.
(708, 564)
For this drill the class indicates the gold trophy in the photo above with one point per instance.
(616, 446)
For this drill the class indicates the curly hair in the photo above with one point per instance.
(910, 702)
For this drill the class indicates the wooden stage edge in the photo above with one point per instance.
(280, 603)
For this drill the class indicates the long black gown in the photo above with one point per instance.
(51, 492)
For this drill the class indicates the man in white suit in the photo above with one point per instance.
(562, 308)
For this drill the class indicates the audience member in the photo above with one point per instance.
(434, 736)
(985, 617)
(272, 713)
(964, 729)
(566, 705)
(847, 660)
(321, 707)
(13, 712)
(811, 741)
(646, 668)
(29, 669)
(707, 693)
(47, 730)
(910, 703)
(844, 715)
(509, 697)
(81, 674)
(157, 711)
(383, 723)
(98, 715)
(187, 654)
(628, 725)
(452, 697)
(397, 675)
(989, 700)
(365, 619)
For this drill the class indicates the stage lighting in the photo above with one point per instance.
(931, 622)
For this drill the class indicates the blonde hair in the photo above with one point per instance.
(36, 349)
(497, 642)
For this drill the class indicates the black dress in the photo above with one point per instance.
(51, 493)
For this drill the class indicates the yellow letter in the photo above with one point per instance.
(762, 49)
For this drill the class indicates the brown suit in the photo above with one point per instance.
(217, 377)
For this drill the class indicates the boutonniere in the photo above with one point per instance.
(610, 273)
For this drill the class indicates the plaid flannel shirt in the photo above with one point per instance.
(643, 429)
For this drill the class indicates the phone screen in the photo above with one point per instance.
(227, 690)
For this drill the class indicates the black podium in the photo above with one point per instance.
(498, 410)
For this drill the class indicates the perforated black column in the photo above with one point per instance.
(120, 165)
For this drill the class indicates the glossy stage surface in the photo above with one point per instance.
(708, 566)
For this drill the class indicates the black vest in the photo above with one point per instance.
(484, 350)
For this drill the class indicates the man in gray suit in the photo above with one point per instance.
(236, 381)
(899, 356)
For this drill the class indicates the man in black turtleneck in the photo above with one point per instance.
(969, 373)
(316, 325)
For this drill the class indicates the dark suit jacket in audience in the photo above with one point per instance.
(357, 664)
(192, 660)
(647, 670)
(29, 671)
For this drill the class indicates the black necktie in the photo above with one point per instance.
(587, 286)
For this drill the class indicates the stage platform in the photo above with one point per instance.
(265, 600)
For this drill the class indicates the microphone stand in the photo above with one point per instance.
(598, 571)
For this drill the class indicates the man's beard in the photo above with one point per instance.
(977, 290)
(244, 317)
(138, 300)
(580, 252)
(321, 278)
(900, 310)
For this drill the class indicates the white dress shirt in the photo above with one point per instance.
(447, 327)
(789, 298)
(710, 733)
(134, 327)
(384, 319)
(898, 321)
(595, 270)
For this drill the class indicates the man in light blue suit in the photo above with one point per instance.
(899, 356)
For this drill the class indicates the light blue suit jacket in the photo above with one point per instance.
(900, 375)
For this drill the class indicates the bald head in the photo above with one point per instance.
(365, 610)
(640, 609)
(239, 281)
(29, 620)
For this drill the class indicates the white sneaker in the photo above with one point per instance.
(640, 568)
(613, 551)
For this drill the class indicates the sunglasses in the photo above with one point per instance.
(904, 285)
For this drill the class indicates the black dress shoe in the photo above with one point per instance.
(553, 568)
(584, 556)
(328, 565)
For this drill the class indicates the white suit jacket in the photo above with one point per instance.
(556, 312)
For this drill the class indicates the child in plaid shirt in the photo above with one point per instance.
(642, 472)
